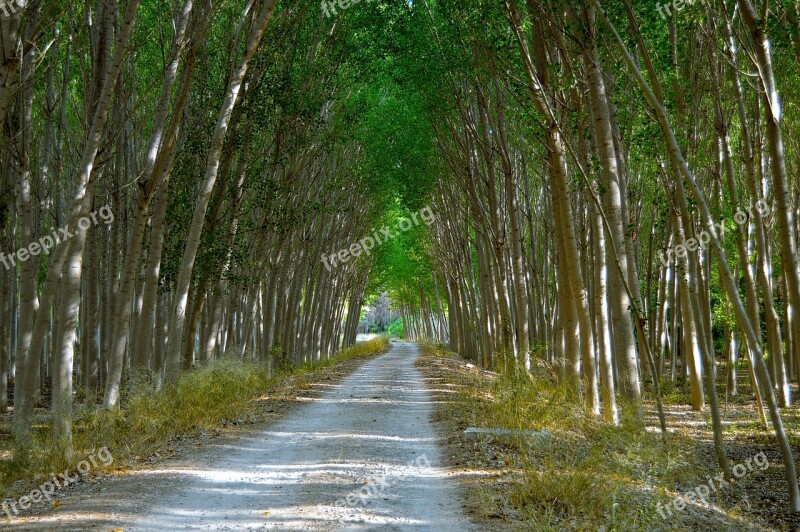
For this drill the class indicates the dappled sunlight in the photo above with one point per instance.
(354, 401)
(361, 455)
(332, 436)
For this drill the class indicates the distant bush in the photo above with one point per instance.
(396, 328)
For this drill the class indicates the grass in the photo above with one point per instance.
(201, 400)
(588, 476)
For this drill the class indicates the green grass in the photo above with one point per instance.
(200, 400)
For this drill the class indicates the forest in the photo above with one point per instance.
(570, 224)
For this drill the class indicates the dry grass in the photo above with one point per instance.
(588, 475)
(225, 392)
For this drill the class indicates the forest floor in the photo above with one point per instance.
(589, 476)
(352, 450)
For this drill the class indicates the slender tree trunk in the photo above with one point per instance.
(622, 326)
(780, 183)
(678, 161)
(178, 314)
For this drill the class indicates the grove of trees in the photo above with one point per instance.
(615, 191)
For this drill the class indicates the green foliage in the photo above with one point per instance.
(396, 328)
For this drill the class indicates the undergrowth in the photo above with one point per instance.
(200, 400)
(588, 475)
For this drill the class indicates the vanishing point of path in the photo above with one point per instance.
(370, 426)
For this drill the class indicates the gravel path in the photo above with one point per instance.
(368, 437)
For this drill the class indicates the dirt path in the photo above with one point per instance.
(368, 437)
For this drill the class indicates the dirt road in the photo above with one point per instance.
(362, 456)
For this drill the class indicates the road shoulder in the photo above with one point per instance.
(100, 501)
